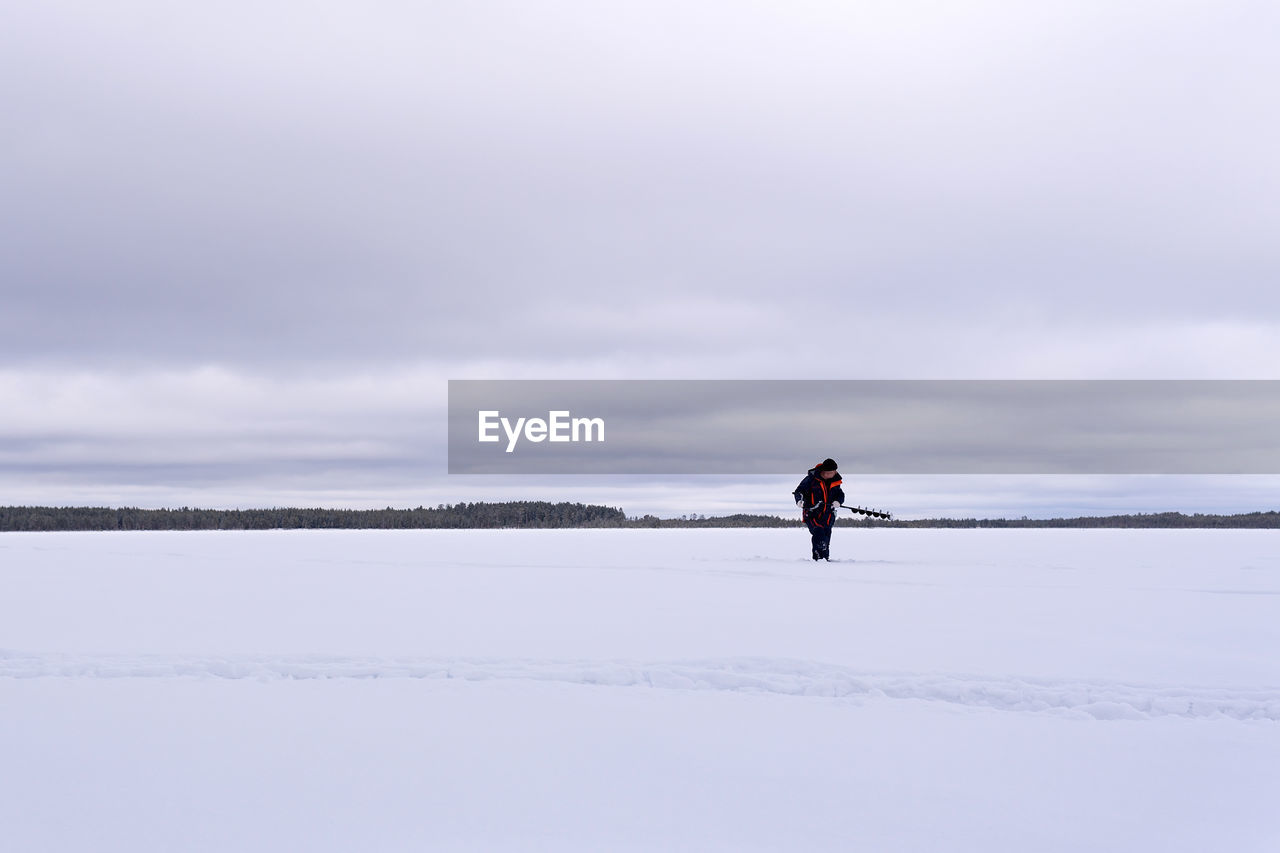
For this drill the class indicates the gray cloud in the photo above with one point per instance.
(333, 197)
(273, 183)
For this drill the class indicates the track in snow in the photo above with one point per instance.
(1081, 698)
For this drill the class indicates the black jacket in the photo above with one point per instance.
(814, 491)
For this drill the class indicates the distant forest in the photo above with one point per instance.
(531, 514)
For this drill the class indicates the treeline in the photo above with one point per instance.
(1248, 520)
(536, 514)
(462, 515)
(1256, 520)
(695, 520)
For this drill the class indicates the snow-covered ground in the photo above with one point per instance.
(929, 690)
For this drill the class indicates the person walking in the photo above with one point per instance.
(819, 496)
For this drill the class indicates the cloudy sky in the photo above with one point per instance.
(243, 246)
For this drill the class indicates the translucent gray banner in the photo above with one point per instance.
(871, 426)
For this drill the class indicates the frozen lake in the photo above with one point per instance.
(928, 690)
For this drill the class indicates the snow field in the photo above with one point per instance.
(640, 690)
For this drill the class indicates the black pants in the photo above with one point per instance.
(821, 535)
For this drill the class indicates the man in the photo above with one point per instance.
(819, 496)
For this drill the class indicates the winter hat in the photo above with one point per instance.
(827, 465)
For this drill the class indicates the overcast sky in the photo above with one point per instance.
(243, 246)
